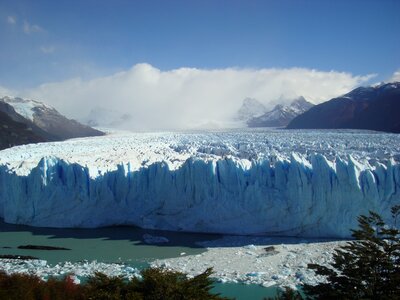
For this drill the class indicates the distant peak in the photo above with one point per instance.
(251, 101)
(300, 99)
(279, 106)
(250, 108)
(281, 114)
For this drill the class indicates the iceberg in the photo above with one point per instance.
(284, 183)
(80, 270)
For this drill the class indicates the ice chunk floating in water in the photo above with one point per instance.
(306, 183)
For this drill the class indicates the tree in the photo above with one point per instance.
(162, 284)
(286, 294)
(103, 287)
(155, 284)
(368, 268)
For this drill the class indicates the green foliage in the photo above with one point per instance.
(368, 268)
(161, 284)
(156, 284)
(287, 294)
(102, 287)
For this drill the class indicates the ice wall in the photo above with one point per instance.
(295, 196)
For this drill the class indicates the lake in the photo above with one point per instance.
(115, 245)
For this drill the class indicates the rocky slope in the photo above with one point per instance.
(14, 133)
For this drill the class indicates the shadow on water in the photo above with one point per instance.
(110, 244)
(125, 244)
(137, 236)
(129, 233)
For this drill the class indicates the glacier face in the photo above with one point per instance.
(305, 183)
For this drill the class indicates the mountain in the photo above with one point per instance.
(281, 115)
(250, 108)
(14, 133)
(372, 108)
(29, 121)
(100, 116)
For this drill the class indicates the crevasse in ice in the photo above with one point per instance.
(300, 183)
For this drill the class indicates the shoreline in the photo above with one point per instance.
(245, 260)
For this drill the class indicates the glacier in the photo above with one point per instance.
(278, 182)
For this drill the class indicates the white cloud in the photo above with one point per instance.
(31, 28)
(6, 92)
(11, 20)
(47, 49)
(187, 97)
(395, 76)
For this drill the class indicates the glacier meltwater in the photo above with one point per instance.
(277, 182)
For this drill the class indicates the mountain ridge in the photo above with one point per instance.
(371, 108)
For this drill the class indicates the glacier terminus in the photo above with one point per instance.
(309, 183)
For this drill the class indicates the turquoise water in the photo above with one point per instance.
(112, 244)
(244, 292)
(115, 244)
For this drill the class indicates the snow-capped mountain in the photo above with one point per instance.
(26, 108)
(277, 182)
(281, 115)
(103, 117)
(250, 108)
(372, 108)
(43, 120)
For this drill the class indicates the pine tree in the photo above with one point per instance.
(368, 268)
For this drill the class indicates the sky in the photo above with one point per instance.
(193, 58)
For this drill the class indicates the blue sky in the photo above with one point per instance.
(179, 64)
(44, 41)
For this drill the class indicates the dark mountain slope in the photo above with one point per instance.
(14, 133)
(373, 108)
(28, 121)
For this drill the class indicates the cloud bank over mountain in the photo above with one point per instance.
(6, 92)
(190, 97)
(395, 76)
